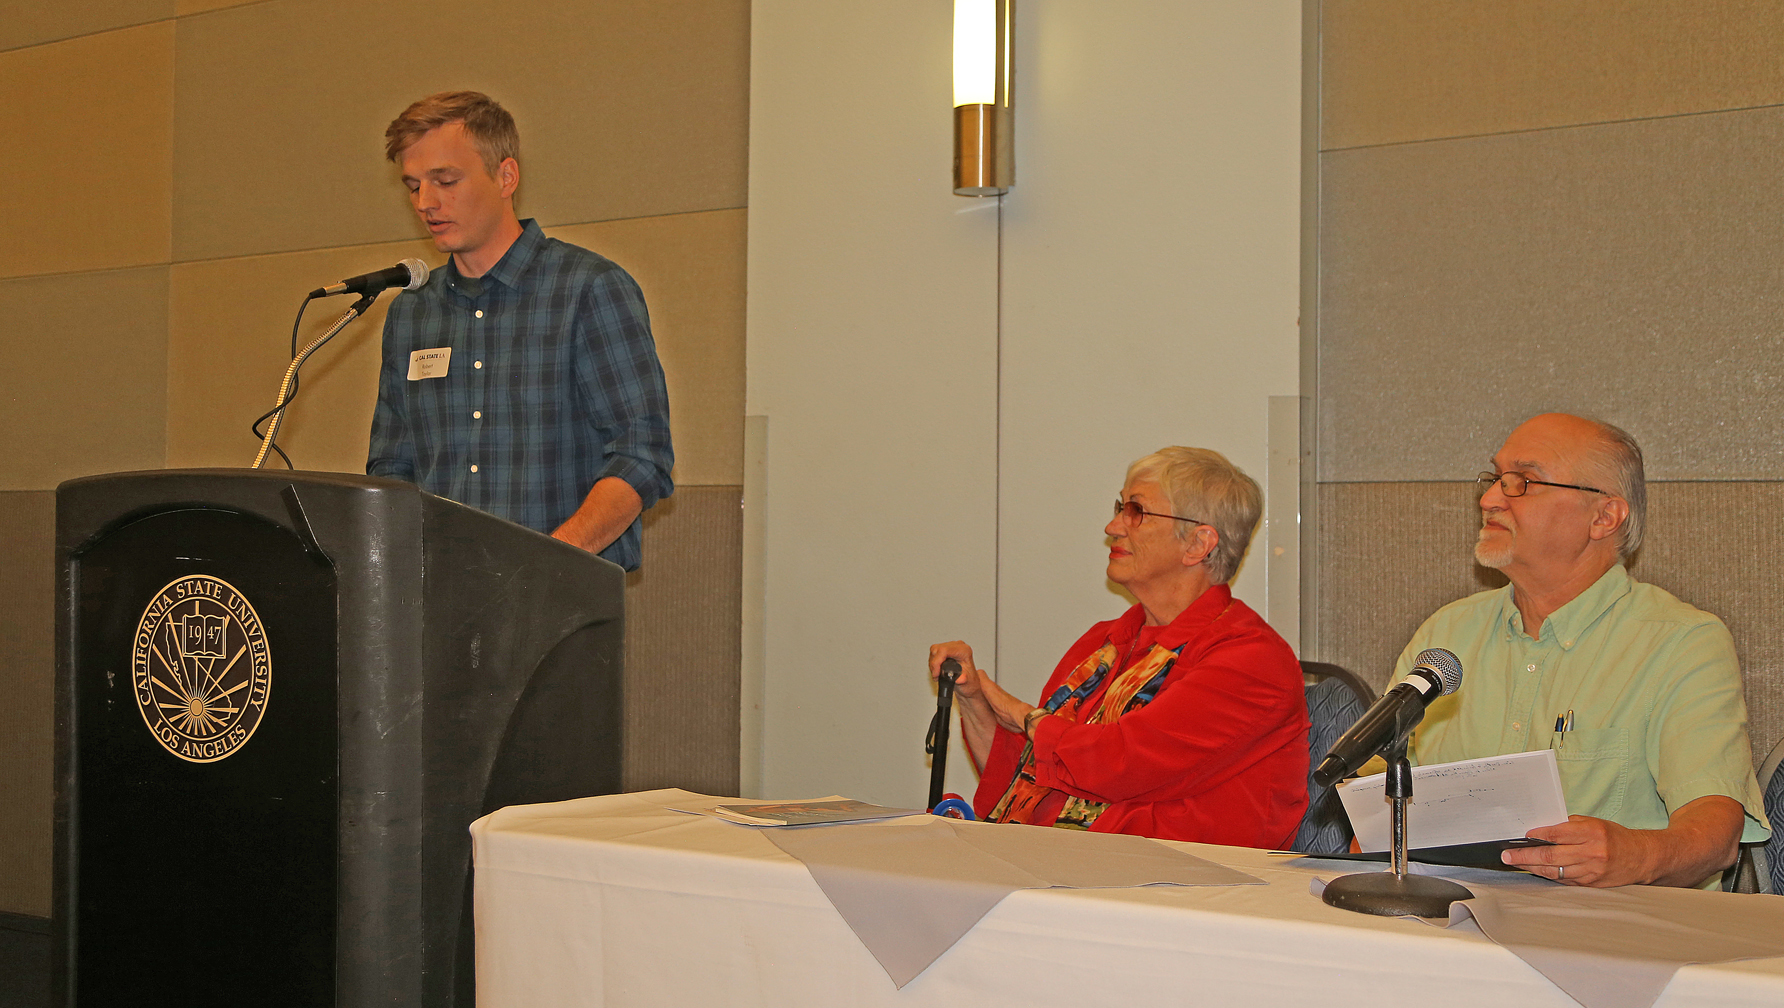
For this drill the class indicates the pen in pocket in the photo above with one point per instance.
(1563, 725)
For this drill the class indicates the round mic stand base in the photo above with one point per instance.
(1386, 894)
(1396, 893)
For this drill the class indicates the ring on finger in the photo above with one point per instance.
(1560, 872)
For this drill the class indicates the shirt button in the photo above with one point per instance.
(1515, 725)
(476, 414)
(1527, 668)
(1567, 643)
(473, 467)
(479, 313)
(479, 366)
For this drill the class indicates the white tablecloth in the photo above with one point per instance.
(615, 901)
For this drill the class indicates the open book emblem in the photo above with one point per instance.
(201, 668)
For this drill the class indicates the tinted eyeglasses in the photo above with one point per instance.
(1132, 514)
(1514, 484)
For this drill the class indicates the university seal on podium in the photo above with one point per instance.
(201, 669)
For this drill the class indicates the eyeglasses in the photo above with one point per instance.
(1514, 484)
(1133, 514)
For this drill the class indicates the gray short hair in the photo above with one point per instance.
(1617, 465)
(1200, 483)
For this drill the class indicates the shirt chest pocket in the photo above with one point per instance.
(1594, 766)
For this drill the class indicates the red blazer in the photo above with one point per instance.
(1220, 754)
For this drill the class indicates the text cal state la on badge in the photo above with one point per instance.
(429, 363)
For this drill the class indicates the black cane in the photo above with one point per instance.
(936, 745)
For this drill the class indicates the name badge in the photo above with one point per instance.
(429, 363)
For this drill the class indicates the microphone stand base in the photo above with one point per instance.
(1385, 894)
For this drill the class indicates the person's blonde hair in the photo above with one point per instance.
(488, 125)
(1200, 483)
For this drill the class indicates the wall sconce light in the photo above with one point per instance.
(984, 120)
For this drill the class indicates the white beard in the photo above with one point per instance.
(1495, 554)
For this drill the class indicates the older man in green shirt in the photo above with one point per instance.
(1638, 693)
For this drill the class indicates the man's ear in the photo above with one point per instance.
(508, 176)
(1612, 512)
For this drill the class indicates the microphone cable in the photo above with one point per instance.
(255, 426)
(288, 387)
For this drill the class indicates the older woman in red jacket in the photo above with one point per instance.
(1184, 718)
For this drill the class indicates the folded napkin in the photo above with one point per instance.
(1614, 948)
(910, 888)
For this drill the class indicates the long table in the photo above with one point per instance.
(617, 901)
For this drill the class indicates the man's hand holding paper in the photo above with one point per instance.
(1598, 852)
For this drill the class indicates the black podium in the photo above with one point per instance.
(281, 699)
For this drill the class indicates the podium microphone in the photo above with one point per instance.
(408, 274)
(1435, 673)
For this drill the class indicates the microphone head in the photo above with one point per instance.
(1443, 665)
(418, 275)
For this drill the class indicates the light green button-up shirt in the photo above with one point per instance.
(1653, 684)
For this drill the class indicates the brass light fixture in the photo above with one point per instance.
(984, 120)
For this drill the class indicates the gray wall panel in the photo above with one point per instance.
(27, 680)
(683, 644)
(625, 110)
(1396, 552)
(1628, 271)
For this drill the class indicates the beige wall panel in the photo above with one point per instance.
(84, 366)
(1708, 543)
(1629, 271)
(691, 269)
(683, 640)
(27, 680)
(229, 344)
(625, 110)
(32, 22)
(185, 7)
(1400, 70)
(95, 192)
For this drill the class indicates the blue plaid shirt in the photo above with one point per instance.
(553, 383)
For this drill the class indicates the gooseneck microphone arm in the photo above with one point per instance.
(409, 274)
(277, 413)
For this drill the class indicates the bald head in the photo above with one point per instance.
(1573, 449)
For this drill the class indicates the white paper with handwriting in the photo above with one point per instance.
(1494, 798)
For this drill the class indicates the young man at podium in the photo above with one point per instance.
(521, 379)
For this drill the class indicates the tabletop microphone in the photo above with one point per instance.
(1435, 673)
(408, 274)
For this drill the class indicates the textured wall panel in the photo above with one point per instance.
(30, 22)
(682, 644)
(229, 344)
(1396, 552)
(625, 110)
(691, 269)
(1392, 554)
(27, 680)
(1399, 70)
(1629, 271)
(92, 191)
(85, 366)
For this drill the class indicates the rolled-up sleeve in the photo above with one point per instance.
(623, 383)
